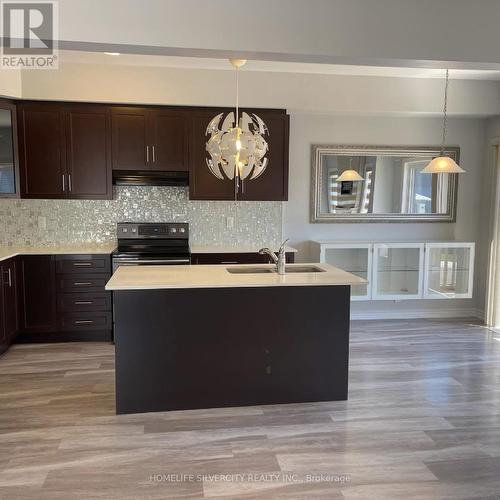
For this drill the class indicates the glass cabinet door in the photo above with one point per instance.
(397, 271)
(355, 259)
(8, 169)
(449, 270)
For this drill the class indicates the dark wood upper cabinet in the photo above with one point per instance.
(272, 185)
(168, 140)
(9, 160)
(88, 153)
(149, 138)
(42, 151)
(129, 138)
(37, 292)
(65, 151)
(203, 185)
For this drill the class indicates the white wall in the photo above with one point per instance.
(307, 129)
(294, 91)
(10, 82)
(348, 31)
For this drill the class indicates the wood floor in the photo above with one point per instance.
(422, 422)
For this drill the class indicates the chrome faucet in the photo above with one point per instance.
(279, 260)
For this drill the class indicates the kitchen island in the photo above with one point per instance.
(215, 336)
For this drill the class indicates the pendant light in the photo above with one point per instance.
(237, 148)
(444, 164)
(349, 175)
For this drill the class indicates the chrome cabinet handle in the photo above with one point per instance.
(10, 277)
(82, 283)
(70, 188)
(229, 262)
(147, 154)
(83, 302)
(154, 155)
(83, 321)
(82, 264)
(63, 182)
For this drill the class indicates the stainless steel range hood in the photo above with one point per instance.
(150, 178)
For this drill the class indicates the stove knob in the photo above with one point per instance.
(173, 230)
(134, 230)
(124, 230)
(182, 230)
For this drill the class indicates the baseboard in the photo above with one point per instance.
(88, 336)
(419, 314)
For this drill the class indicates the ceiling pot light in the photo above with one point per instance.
(349, 175)
(237, 144)
(444, 164)
(112, 53)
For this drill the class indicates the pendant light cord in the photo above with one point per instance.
(445, 111)
(237, 96)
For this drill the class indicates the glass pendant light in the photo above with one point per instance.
(237, 148)
(444, 164)
(349, 175)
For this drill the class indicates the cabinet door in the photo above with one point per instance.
(38, 293)
(168, 140)
(398, 270)
(129, 139)
(88, 153)
(203, 185)
(273, 183)
(9, 287)
(9, 171)
(42, 151)
(449, 270)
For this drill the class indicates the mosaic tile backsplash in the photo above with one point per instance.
(94, 221)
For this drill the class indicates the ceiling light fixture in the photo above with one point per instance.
(112, 53)
(444, 164)
(349, 175)
(237, 148)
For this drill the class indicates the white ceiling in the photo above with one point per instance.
(81, 57)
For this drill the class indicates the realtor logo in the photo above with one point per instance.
(29, 35)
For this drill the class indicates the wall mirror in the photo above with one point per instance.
(391, 187)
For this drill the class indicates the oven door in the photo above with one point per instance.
(148, 261)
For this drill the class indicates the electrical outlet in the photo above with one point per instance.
(229, 222)
(42, 222)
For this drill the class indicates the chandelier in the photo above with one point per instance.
(237, 144)
(444, 164)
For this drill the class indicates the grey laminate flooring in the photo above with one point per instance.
(422, 422)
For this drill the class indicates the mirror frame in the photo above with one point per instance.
(319, 150)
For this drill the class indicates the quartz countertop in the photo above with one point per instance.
(236, 249)
(8, 252)
(217, 276)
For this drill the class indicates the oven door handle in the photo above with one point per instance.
(151, 261)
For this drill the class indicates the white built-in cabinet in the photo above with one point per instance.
(403, 271)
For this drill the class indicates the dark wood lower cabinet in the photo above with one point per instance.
(38, 294)
(9, 316)
(63, 298)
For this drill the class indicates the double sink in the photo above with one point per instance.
(262, 270)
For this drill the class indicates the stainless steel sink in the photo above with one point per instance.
(303, 269)
(249, 270)
(263, 270)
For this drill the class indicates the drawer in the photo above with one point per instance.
(81, 302)
(70, 322)
(79, 264)
(82, 282)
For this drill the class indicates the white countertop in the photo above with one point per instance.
(8, 252)
(217, 276)
(236, 249)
